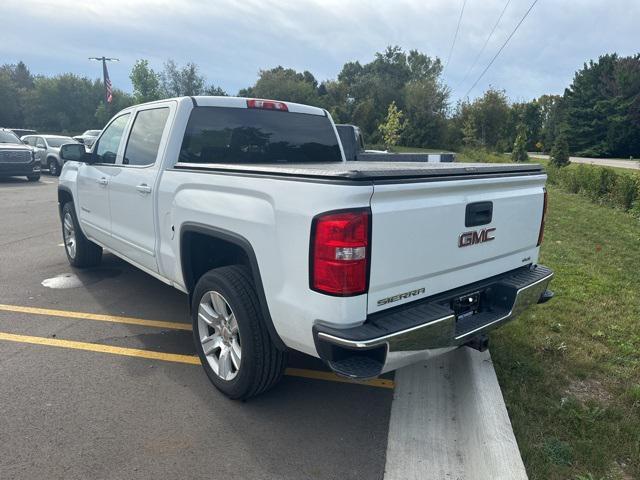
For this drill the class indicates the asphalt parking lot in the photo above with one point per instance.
(99, 378)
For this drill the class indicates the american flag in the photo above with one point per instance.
(108, 92)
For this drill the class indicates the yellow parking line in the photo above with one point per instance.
(99, 347)
(332, 377)
(176, 358)
(96, 316)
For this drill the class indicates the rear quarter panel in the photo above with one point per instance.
(274, 215)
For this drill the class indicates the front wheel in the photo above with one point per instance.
(81, 252)
(231, 337)
(54, 169)
(33, 178)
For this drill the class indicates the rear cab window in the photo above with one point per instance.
(256, 136)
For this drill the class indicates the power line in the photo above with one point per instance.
(455, 37)
(486, 42)
(501, 48)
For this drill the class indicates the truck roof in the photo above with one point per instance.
(237, 102)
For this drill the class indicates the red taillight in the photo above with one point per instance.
(267, 105)
(340, 252)
(544, 216)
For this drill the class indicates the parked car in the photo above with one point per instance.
(21, 132)
(88, 137)
(16, 158)
(47, 150)
(353, 145)
(250, 208)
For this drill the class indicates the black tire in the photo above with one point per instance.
(87, 253)
(54, 168)
(33, 178)
(262, 363)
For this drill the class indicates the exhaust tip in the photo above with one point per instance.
(546, 296)
(480, 343)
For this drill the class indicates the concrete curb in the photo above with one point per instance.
(449, 421)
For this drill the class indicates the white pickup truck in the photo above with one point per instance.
(249, 207)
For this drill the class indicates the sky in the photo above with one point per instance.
(232, 40)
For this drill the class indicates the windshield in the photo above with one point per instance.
(243, 135)
(57, 142)
(92, 133)
(8, 137)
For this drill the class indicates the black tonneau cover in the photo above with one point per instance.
(356, 171)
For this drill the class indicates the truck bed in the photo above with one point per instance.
(357, 171)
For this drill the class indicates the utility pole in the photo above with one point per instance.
(108, 93)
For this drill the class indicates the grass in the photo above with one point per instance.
(570, 369)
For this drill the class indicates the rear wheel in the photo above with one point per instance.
(53, 167)
(81, 252)
(231, 338)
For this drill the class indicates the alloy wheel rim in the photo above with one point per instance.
(219, 335)
(53, 168)
(69, 233)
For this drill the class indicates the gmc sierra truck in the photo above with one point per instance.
(16, 158)
(249, 207)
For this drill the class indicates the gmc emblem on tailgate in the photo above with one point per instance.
(474, 237)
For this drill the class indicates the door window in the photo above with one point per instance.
(30, 141)
(144, 140)
(107, 149)
(40, 143)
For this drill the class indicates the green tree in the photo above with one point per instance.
(145, 81)
(10, 104)
(179, 81)
(411, 80)
(553, 118)
(285, 84)
(104, 112)
(527, 115)
(392, 126)
(603, 107)
(214, 91)
(560, 152)
(63, 103)
(469, 134)
(519, 153)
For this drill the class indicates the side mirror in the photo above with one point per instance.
(74, 152)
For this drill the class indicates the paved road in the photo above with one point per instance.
(99, 380)
(73, 413)
(605, 162)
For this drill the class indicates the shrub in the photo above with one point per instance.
(560, 152)
(519, 153)
(601, 184)
(626, 191)
(481, 155)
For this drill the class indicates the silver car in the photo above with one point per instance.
(47, 150)
(88, 138)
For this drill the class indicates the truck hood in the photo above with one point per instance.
(14, 146)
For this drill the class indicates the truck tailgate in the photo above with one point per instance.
(421, 244)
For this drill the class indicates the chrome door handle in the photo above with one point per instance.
(143, 188)
(103, 181)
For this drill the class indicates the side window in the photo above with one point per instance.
(30, 141)
(40, 143)
(107, 149)
(145, 136)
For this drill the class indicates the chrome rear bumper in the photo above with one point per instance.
(420, 330)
